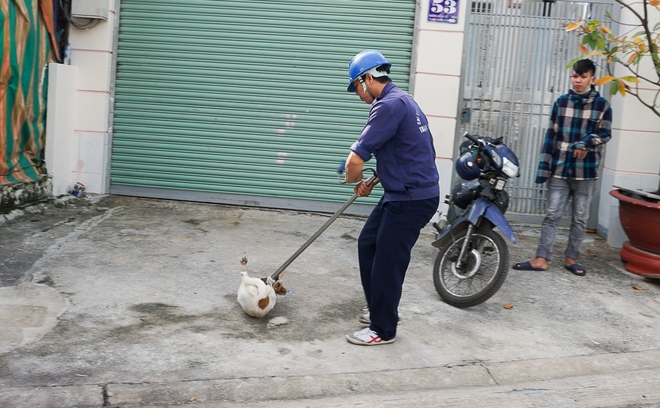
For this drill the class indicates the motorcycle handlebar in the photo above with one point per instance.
(483, 140)
(471, 138)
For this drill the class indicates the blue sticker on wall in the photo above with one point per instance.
(443, 11)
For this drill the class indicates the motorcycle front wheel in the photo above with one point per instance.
(479, 276)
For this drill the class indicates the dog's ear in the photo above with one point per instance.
(279, 287)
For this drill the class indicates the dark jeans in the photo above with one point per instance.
(384, 247)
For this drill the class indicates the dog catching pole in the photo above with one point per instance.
(277, 275)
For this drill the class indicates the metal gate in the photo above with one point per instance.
(516, 52)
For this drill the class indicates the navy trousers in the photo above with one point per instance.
(384, 247)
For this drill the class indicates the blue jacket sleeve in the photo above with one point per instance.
(381, 126)
(545, 164)
(603, 128)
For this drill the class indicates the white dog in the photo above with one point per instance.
(258, 296)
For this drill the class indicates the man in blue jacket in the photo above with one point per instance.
(397, 134)
(579, 127)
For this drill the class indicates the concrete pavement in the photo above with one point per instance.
(111, 301)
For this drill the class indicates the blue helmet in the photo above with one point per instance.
(466, 167)
(362, 63)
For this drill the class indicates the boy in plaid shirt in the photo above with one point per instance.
(579, 127)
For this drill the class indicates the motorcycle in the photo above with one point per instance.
(473, 259)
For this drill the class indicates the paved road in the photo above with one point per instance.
(113, 301)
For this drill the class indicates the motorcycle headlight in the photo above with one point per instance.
(509, 168)
(496, 158)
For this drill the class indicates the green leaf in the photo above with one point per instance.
(614, 88)
(593, 40)
(572, 62)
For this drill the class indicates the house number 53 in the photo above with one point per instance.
(446, 6)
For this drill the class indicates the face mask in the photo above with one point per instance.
(585, 92)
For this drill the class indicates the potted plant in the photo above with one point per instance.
(639, 213)
(636, 43)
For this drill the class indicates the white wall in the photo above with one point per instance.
(92, 57)
(60, 143)
(633, 155)
(439, 54)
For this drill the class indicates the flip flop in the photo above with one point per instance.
(575, 268)
(526, 266)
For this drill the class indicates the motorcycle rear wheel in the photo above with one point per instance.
(482, 274)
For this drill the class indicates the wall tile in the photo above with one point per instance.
(97, 38)
(605, 199)
(94, 70)
(437, 94)
(442, 54)
(443, 130)
(92, 109)
(628, 180)
(445, 170)
(634, 151)
(91, 149)
(650, 183)
(632, 115)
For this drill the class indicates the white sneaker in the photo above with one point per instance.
(367, 337)
(364, 318)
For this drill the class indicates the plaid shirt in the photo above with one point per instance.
(575, 118)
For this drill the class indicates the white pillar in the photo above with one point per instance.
(60, 141)
(439, 52)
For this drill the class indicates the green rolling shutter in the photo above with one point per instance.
(245, 102)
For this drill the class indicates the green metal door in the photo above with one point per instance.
(245, 102)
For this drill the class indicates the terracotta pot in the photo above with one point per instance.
(640, 219)
(643, 263)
